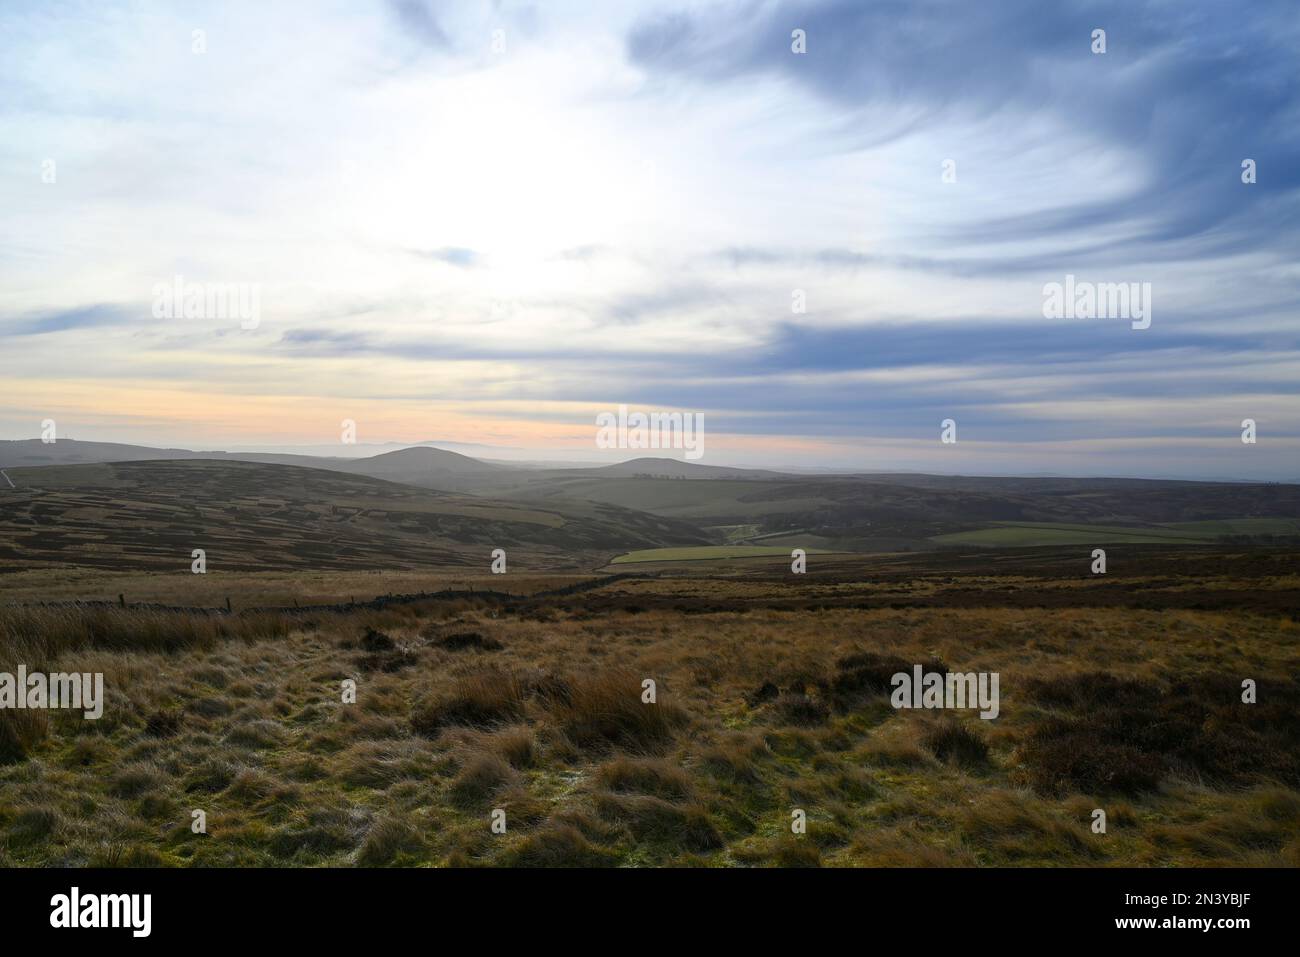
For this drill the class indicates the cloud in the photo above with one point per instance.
(451, 255)
(95, 316)
(619, 204)
(417, 18)
(1190, 90)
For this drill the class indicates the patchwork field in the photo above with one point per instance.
(771, 697)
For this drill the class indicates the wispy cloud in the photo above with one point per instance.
(519, 213)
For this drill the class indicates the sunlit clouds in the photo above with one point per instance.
(487, 223)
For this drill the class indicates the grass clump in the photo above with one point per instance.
(481, 699)
(653, 776)
(606, 708)
(560, 845)
(652, 819)
(956, 742)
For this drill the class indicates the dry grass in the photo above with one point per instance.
(481, 699)
(759, 710)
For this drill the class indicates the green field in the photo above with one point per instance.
(1010, 534)
(700, 553)
(1007, 534)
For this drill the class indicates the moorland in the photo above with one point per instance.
(524, 693)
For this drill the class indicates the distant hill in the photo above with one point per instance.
(870, 514)
(24, 452)
(425, 467)
(706, 504)
(34, 452)
(252, 516)
(422, 466)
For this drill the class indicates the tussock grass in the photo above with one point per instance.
(481, 777)
(606, 708)
(761, 708)
(37, 634)
(480, 699)
(1129, 735)
(654, 820)
(559, 845)
(388, 839)
(956, 741)
(20, 732)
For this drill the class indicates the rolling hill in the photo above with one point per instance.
(685, 503)
(263, 516)
(868, 514)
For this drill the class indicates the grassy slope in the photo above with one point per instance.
(250, 728)
(884, 513)
(260, 516)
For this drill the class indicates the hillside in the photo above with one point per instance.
(862, 513)
(427, 468)
(261, 516)
(33, 453)
(693, 504)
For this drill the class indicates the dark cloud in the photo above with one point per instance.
(1193, 88)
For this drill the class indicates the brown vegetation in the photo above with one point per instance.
(757, 711)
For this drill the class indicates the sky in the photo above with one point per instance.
(487, 223)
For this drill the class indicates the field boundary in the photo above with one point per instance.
(377, 603)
